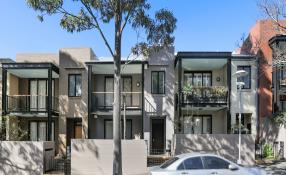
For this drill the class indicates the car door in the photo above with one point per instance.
(191, 166)
(217, 166)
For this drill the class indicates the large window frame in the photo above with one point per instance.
(37, 80)
(202, 77)
(244, 79)
(202, 123)
(122, 125)
(158, 84)
(75, 85)
(38, 124)
(129, 96)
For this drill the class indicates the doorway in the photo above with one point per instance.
(157, 136)
(74, 129)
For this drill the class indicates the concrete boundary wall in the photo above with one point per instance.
(92, 156)
(25, 157)
(225, 145)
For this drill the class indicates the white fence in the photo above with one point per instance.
(25, 157)
(91, 156)
(225, 145)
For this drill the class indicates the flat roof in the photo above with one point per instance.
(111, 62)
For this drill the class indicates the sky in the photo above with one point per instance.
(203, 25)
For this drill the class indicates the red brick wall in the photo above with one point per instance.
(257, 43)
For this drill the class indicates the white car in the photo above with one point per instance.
(202, 164)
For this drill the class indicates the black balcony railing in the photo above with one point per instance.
(30, 103)
(104, 100)
(205, 95)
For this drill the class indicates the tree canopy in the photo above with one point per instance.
(92, 14)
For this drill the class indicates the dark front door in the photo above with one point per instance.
(157, 136)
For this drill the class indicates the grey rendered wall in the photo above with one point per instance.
(24, 157)
(225, 145)
(160, 105)
(38, 57)
(71, 61)
(95, 157)
(249, 96)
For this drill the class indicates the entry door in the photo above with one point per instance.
(78, 130)
(158, 136)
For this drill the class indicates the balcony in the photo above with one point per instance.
(102, 101)
(214, 95)
(30, 103)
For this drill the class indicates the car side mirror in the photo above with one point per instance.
(232, 167)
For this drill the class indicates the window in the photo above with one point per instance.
(245, 122)
(126, 86)
(281, 77)
(38, 89)
(38, 131)
(211, 162)
(193, 163)
(198, 79)
(246, 79)
(108, 129)
(158, 82)
(198, 124)
(75, 85)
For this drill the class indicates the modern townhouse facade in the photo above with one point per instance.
(29, 97)
(70, 96)
(208, 113)
(214, 96)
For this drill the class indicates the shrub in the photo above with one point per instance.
(267, 151)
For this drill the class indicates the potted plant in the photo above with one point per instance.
(188, 91)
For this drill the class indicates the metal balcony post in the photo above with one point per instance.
(4, 91)
(49, 105)
(90, 85)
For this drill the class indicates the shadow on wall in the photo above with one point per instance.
(225, 145)
(21, 158)
(94, 156)
(270, 130)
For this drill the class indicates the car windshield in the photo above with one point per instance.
(169, 162)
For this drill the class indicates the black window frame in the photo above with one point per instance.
(122, 124)
(243, 116)
(203, 116)
(39, 121)
(242, 67)
(199, 72)
(157, 88)
(69, 93)
(122, 85)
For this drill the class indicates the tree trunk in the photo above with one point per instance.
(117, 154)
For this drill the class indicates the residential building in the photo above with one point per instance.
(262, 36)
(212, 105)
(70, 95)
(257, 44)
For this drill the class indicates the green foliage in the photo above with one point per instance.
(267, 151)
(187, 89)
(91, 14)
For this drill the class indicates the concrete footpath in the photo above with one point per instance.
(275, 168)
